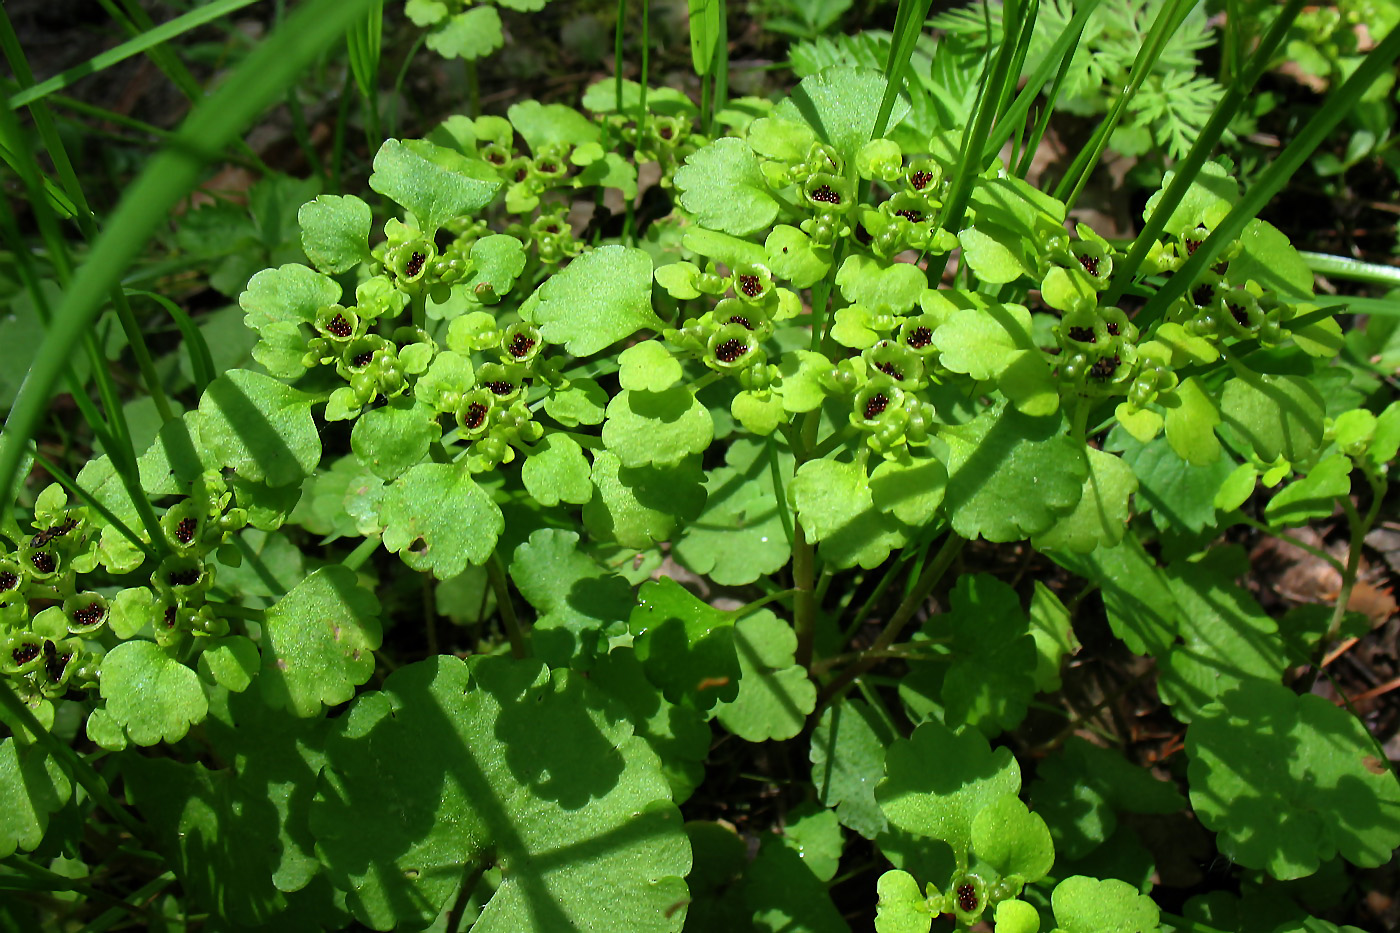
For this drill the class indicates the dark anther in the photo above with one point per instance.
(415, 265)
(1240, 315)
(495, 158)
(1112, 329)
(43, 562)
(967, 898)
(187, 577)
(876, 406)
(826, 195)
(750, 285)
(339, 326)
(911, 215)
(1202, 295)
(520, 174)
(741, 320)
(920, 179)
(520, 345)
(548, 167)
(1104, 367)
(501, 387)
(1090, 264)
(665, 132)
(169, 616)
(1192, 246)
(54, 663)
(25, 653)
(476, 414)
(919, 338)
(890, 370)
(8, 580)
(184, 532)
(89, 615)
(731, 350)
(363, 359)
(1081, 334)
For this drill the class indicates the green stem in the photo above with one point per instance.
(1296, 542)
(356, 558)
(952, 546)
(1354, 270)
(82, 772)
(496, 573)
(804, 602)
(1360, 527)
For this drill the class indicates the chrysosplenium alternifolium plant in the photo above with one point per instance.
(779, 375)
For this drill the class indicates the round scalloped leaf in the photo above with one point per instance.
(557, 471)
(910, 491)
(542, 124)
(848, 760)
(740, 536)
(1093, 905)
(434, 183)
(471, 34)
(1101, 517)
(438, 519)
(840, 104)
(1011, 476)
(1313, 497)
(394, 437)
(1011, 839)
(277, 302)
(318, 642)
(648, 366)
(792, 256)
(984, 342)
(231, 662)
(868, 281)
(837, 509)
(775, 695)
(600, 298)
(1291, 781)
(657, 428)
(638, 506)
(576, 598)
(937, 781)
(902, 907)
(152, 695)
(33, 784)
(260, 427)
(335, 232)
(722, 186)
(992, 675)
(499, 763)
(686, 645)
(1279, 416)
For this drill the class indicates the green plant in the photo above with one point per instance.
(462, 28)
(786, 390)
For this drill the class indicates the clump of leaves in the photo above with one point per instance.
(465, 29)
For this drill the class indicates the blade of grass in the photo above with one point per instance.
(201, 361)
(1353, 270)
(149, 39)
(1278, 174)
(1187, 170)
(908, 25)
(255, 83)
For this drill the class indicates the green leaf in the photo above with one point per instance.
(600, 298)
(33, 785)
(740, 536)
(937, 781)
(705, 26)
(910, 491)
(1312, 497)
(1092, 905)
(1191, 424)
(814, 833)
(335, 232)
(582, 402)
(497, 261)
(276, 303)
(722, 187)
(575, 597)
(839, 103)
(1101, 517)
(991, 678)
(542, 125)
(1137, 596)
(679, 735)
(318, 642)
(996, 254)
(472, 34)
(1226, 638)
(390, 439)
(1011, 476)
(638, 506)
(1279, 416)
(437, 518)
(1180, 495)
(649, 367)
(1268, 258)
(1011, 839)
(657, 428)
(984, 342)
(230, 662)
(721, 247)
(260, 427)
(1016, 917)
(557, 472)
(153, 696)
(792, 256)
(434, 183)
(848, 760)
(1054, 637)
(783, 894)
(868, 281)
(775, 694)
(686, 646)
(902, 907)
(837, 509)
(1290, 782)
(571, 802)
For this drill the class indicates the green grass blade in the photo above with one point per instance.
(162, 33)
(908, 25)
(362, 41)
(1353, 270)
(201, 360)
(1187, 170)
(1278, 174)
(255, 84)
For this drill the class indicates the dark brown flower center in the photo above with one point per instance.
(1104, 367)
(1202, 295)
(1240, 315)
(741, 320)
(911, 215)
(363, 359)
(43, 562)
(185, 531)
(876, 406)
(501, 387)
(826, 195)
(189, 576)
(731, 350)
(476, 414)
(89, 615)
(967, 898)
(750, 285)
(25, 653)
(8, 580)
(889, 369)
(1081, 334)
(919, 338)
(54, 663)
(414, 265)
(1090, 263)
(920, 179)
(339, 326)
(521, 345)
